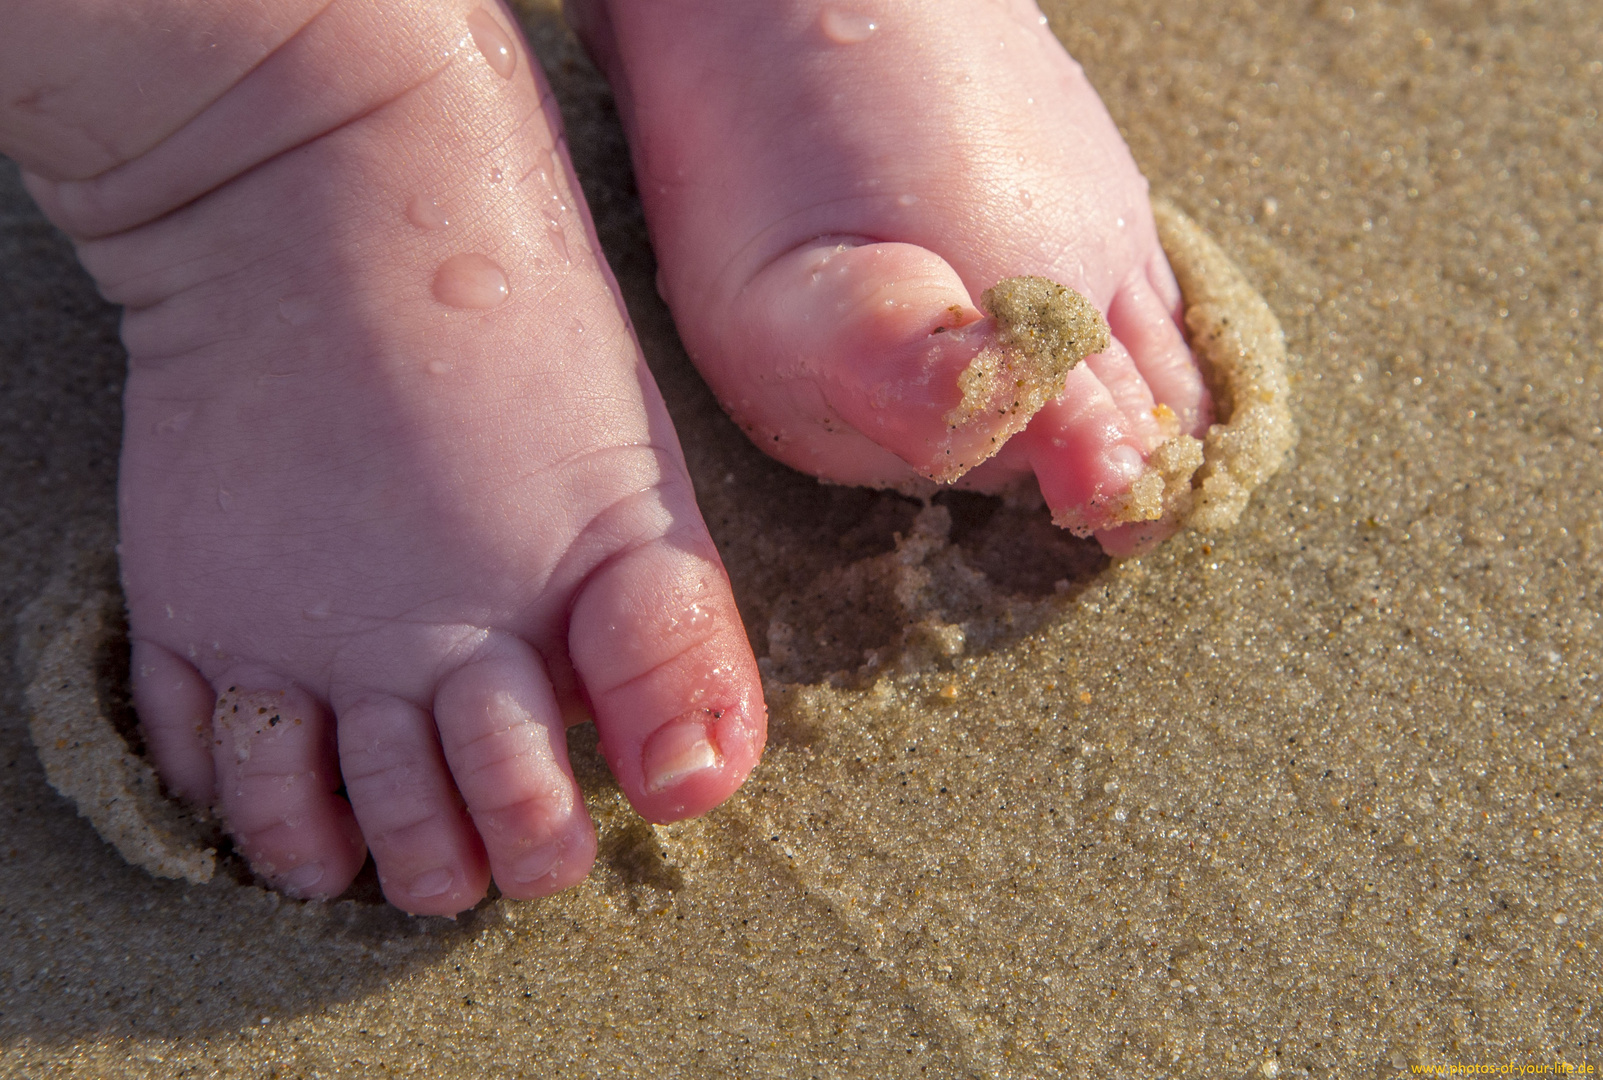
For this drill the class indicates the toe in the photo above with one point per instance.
(855, 360)
(430, 860)
(504, 740)
(1116, 370)
(175, 705)
(277, 780)
(1083, 452)
(671, 677)
(1142, 320)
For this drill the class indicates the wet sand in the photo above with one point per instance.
(1320, 795)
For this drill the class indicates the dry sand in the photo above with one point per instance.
(1320, 795)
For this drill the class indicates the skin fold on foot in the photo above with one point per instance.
(832, 186)
(398, 497)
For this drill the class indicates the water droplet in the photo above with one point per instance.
(558, 238)
(493, 42)
(225, 499)
(297, 310)
(906, 200)
(1026, 200)
(425, 212)
(578, 327)
(319, 611)
(496, 176)
(470, 280)
(847, 28)
(439, 367)
(1120, 223)
(554, 177)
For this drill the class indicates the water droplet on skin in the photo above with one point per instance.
(553, 175)
(225, 499)
(297, 310)
(846, 28)
(906, 200)
(496, 176)
(425, 212)
(1026, 200)
(558, 238)
(470, 280)
(493, 42)
(439, 367)
(578, 327)
(1120, 223)
(319, 611)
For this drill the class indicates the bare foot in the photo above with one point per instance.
(398, 495)
(831, 185)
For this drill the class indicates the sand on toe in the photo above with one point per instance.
(1315, 796)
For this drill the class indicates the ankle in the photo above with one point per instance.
(302, 80)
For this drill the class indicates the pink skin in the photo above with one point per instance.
(829, 183)
(398, 496)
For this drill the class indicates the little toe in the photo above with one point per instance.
(430, 860)
(175, 705)
(663, 655)
(1143, 322)
(277, 783)
(503, 736)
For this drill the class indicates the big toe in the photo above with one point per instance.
(664, 659)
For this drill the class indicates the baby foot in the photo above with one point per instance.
(399, 498)
(831, 185)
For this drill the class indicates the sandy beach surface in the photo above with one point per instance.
(1318, 797)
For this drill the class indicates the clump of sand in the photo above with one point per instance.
(1205, 483)
(72, 653)
(1243, 354)
(1043, 330)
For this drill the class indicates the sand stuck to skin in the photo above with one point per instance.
(1043, 330)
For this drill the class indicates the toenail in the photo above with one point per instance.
(538, 864)
(676, 753)
(302, 878)
(1126, 460)
(430, 884)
